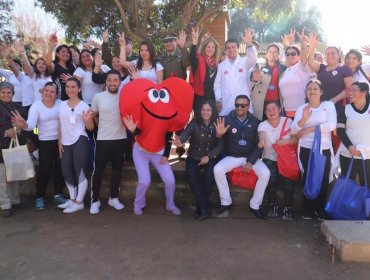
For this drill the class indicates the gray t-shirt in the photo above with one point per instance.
(110, 124)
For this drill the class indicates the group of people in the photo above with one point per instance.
(240, 108)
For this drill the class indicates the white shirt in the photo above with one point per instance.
(150, 74)
(88, 87)
(292, 86)
(71, 120)
(325, 115)
(26, 89)
(272, 135)
(11, 78)
(38, 84)
(357, 129)
(359, 77)
(45, 118)
(110, 124)
(232, 80)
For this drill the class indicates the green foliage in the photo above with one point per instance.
(138, 19)
(5, 14)
(270, 19)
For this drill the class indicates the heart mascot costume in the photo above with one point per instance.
(157, 111)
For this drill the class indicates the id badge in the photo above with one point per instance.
(72, 119)
(242, 142)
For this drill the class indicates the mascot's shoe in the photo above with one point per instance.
(176, 211)
(138, 211)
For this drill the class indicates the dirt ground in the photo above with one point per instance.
(119, 245)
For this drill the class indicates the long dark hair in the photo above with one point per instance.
(80, 64)
(357, 54)
(198, 116)
(152, 58)
(37, 72)
(69, 62)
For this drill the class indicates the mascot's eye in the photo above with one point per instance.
(153, 95)
(164, 95)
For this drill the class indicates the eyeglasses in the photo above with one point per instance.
(241, 105)
(291, 54)
(355, 89)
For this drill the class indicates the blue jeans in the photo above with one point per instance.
(201, 186)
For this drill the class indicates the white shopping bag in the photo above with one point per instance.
(18, 162)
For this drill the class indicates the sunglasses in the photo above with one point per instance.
(291, 54)
(241, 105)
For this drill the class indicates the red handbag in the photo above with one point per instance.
(241, 179)
(287, 159)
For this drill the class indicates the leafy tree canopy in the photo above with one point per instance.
(138, 19)
(270, 19)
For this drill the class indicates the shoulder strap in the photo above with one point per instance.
(363, 73)
(284, 132)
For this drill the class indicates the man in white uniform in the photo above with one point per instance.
(233, 75)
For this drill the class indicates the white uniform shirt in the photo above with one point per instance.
(326, 116)
(71, 120)
(45, 118)
(38, 84)
(232, 80)
(272, 135)
(292, 86)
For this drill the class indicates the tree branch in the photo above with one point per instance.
(211, 13)
(125, 21)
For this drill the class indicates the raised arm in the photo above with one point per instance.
(107, 55)
(312, 63)
(122, 52)
(304, 47)
(26, 64)
(53, 42)
(181, 40)
(251, 52)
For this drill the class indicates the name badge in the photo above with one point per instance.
(72, 119)
(242, 142)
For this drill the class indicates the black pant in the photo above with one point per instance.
(200, 186)
(275, 179)
(318, 204)
(49, 161)
(357, 169)
(108, 150)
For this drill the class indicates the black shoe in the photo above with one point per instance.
(273, 210)
(180, 151)
(18, 206)
(203, 214)
(6, 212)
(223, 208)
(258, 213)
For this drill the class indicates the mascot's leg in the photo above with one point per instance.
(168, 179)
(141, 161)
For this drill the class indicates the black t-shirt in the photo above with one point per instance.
(58, 71)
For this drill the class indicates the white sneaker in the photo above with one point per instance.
(74, 207)
(114, 202)
(94, 207)
(65, 205)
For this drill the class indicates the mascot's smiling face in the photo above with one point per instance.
(167, 105)
(158, 102)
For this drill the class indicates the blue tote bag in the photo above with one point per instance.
(348, 200)
(315, 168)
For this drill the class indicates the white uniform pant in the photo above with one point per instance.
(227, 164)
(9, 191)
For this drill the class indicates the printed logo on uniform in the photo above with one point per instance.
(241, 70)
(234, 130)
(226, 72)
(335, 72)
